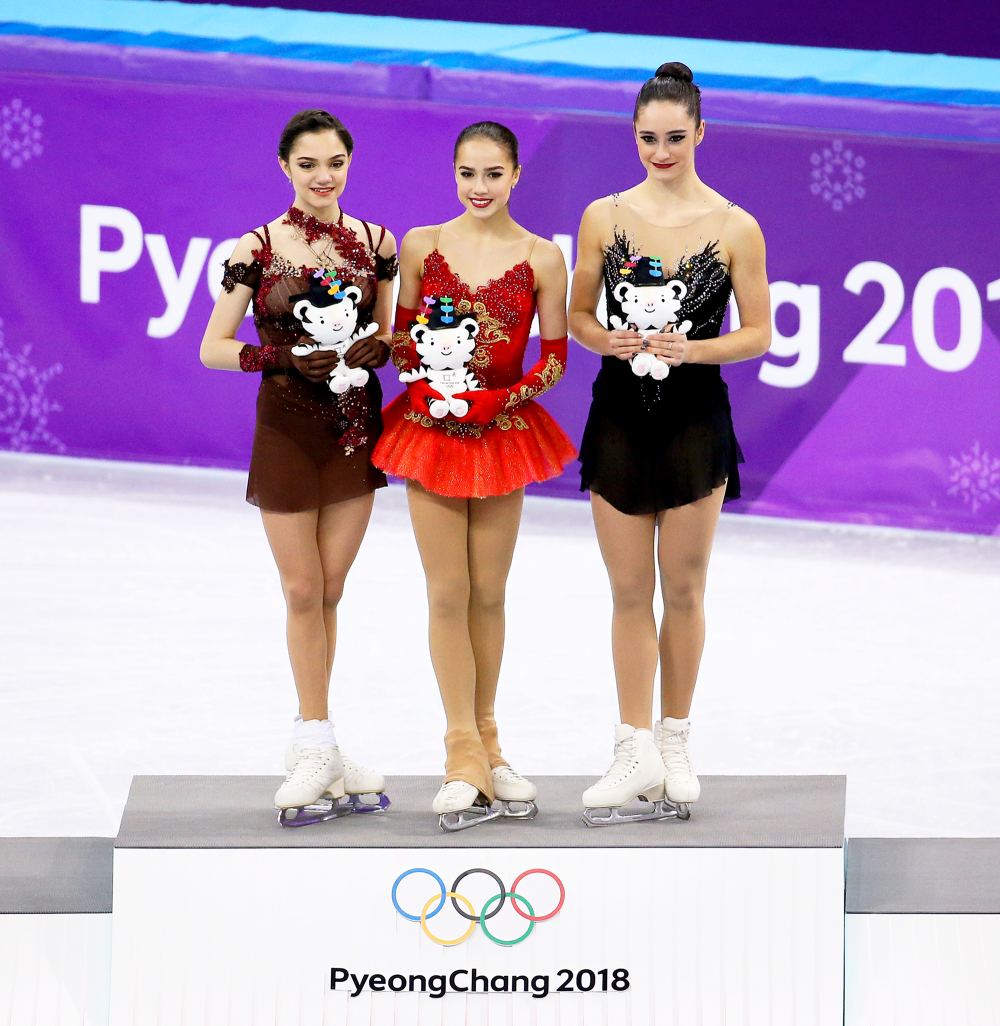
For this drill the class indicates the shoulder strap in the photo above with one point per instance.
(437, 235)
(381, 238)
(260, 238)
(267, 236)
(531, 248)
(368, 232)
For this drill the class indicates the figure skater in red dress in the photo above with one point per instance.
(468, 435)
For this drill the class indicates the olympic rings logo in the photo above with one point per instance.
(464, 907)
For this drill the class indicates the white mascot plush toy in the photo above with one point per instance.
(445, 343)
(650, 303)
(328, 313)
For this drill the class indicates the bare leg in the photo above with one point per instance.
(292, 537)
(627, 545)
(339, 534)
(441, 527)
(683, 551)
(493, 525)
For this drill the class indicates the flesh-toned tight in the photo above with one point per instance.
(314, 551)
(466, 547)
(632, 552)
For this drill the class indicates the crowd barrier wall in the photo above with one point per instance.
(127, 169)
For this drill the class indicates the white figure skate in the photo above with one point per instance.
(636, 773)
(364, 787)
(313, 788)
(682, 786)
(460, 805)
(515, 793)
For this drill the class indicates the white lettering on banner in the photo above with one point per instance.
(803, 344)
(93, 259)
(177, 288)
(867, 346)
(970, 320)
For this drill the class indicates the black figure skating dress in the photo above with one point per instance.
(654, 445)
(311, 447)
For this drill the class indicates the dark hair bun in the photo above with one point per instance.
(674, 69)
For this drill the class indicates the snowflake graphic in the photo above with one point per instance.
(975, 477)
(837, 175)
(24, 406)
(20, 133)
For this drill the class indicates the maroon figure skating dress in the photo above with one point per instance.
(310, 446)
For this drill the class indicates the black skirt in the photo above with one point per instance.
(650, 446)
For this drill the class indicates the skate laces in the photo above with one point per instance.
(312, 762)
(674, 749)
(507, 775)
(625, 758)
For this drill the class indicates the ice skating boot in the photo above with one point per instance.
(312, 790)
(515, 794)
(682, 785)
(364, 787)
(460, 805)
(636, 773)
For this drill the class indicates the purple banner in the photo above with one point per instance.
(878, 403)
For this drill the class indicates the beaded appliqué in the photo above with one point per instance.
(709, 289)
(238, 273)
(548, 377)
(386, 268)
(505, 294)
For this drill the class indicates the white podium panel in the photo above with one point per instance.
(55, 931)
(633, 925)
(922, 932)
(680, 936)
(54, 969)
(922, 970)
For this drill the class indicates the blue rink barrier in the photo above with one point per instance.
(570, 69)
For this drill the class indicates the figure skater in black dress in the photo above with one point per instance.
(659, 454)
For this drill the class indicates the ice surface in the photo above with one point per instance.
(142, 631)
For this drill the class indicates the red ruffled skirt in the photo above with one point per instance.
(469, 462)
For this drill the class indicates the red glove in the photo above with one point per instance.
(484, 405)
(404, 352)
(421, 395)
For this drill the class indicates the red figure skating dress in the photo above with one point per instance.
(520, 443)
(310, 446)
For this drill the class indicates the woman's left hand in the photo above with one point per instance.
(367, 352)
(670, 346)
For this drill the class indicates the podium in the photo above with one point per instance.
(735, 916)
(55, 930)
(923, 931)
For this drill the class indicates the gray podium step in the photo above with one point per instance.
(923, 875)
(55, 874)
(235, 812)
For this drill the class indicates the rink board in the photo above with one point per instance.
(55, 930)
(922, 932)
(657, 923)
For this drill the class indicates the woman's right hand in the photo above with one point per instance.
(623, 343)
(316, 366)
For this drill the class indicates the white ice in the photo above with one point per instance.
(142, 633)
